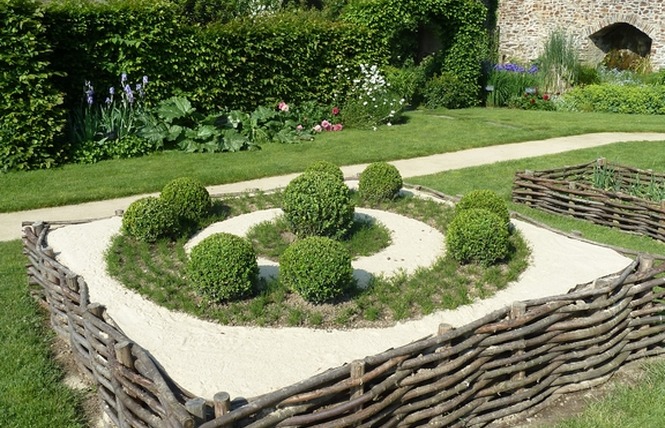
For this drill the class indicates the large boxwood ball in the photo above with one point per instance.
(223, 267)
(189, 198)
(318, 204)
(379, 181)
(149, 219)
(485, 199)
(317, 268)
(477, 235)
(326, 167)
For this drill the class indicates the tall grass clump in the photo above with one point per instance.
(559, 64)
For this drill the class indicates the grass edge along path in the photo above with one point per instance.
(425, 133)
(32, 392)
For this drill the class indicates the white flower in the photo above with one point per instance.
(374, 128)
(389, 124)
(364, 103)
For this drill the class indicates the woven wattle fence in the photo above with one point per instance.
(510, 363)
(569, 191)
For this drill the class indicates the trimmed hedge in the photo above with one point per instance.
(31, 118)
(317, 268)
(236, 65)
(477, 235)
(223, 267)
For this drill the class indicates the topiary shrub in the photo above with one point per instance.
(189, 199)
(149, 219)
(485, 199)
(223, 267)
(379, 181)
(317, 203)
(477, 235)
(317, 268)
(326, 167)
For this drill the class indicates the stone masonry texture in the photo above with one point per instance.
(524, 25)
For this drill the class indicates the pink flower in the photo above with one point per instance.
(326, 125)
(282, 106)
(299, 128)
(337, 127)
(335, 111)
(317, 128)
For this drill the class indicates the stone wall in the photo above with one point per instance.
(524, 25)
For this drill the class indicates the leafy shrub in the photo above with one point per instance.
(31, 116)
(149, 219)
(326, 167)
(379, 181)
(449, 91)
(477, 235)
(317, 203)
(408, 81)
(317, 268)
(189, 199)
(485, 199)
(588, 75)
(223, 267)
(613, 98)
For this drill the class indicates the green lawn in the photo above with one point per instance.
(427, 132)
(31, 392)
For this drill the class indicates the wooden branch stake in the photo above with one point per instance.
(199, 408)
(357, 372)
(517, 310)
(222, 403)
(123, 353)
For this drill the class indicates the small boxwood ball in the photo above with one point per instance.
(318, 204)
(149, 219)
(478, 236)
(189, 198)
(486, 199)
(317, 268)
(380, 181)
(326, 167)
(223, 267)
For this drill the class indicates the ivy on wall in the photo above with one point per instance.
(459, 25)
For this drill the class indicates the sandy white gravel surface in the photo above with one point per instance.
(206, 358)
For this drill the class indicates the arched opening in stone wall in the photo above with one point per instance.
(622, 36)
